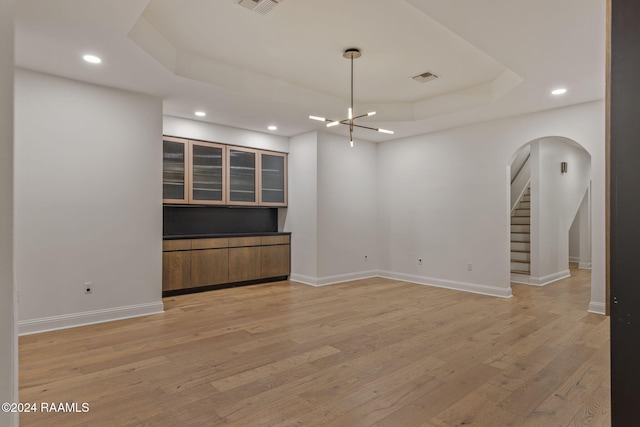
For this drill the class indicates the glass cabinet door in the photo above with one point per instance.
(273, 178)
(243, 177)
(174, 170)
(207, 173)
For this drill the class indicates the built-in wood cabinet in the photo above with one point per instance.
(273, 179)
(175, 167)
(176, 265)
(209, 267)
(207, 173)
(275, 259)
(243, 176)
(244, 264)
(207, 177)
(189, 264)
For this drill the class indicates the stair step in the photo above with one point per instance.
(524, 205)
(520, 246)
(520, 220)
(521, 261)
(519, 265)
(521, 228)
(520, 256)
(525, 273)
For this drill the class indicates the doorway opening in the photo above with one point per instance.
(550, 210)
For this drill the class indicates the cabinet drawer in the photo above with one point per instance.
(214, 243)
(274, 240)
(176, 245)
(235, 242)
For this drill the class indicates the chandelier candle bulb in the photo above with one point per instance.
(373, 113)
(333, 124)
(390, 132)
(320, 119)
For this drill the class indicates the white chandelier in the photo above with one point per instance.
(351, 53)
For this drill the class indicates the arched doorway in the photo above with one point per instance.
(550, 187)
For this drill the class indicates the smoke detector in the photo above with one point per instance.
(425, 77)
(261, 6)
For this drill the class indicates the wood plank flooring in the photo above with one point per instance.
(374, 352)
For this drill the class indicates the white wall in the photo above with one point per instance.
(580, 234)
(555, 199)
(574, 239)
(585, 230)
(521, 181)
(88, 202)
(519, 160)
(443, 200)
(347, 208)
(332, 211)
(8, 331)
(444, 197)
(302, 214)
(196, 129)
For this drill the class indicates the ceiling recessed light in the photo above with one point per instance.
(92, 59)
(272, 127)
(560, 91)
(200, 113)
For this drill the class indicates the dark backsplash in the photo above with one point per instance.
(189, 220)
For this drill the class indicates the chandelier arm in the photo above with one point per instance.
(365, 127)
(360, 116)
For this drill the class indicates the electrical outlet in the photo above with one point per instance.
(88, 287)
(469, 267)
(419, 261)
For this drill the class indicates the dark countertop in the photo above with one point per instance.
(205, 236)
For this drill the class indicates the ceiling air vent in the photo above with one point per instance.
(425, 77)
(261, 6)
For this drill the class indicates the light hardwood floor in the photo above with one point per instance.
(369, 352)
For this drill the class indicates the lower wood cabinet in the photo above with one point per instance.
(244, 264)
(196, 263)
(209, 267)
(274, 260)
(176, 270)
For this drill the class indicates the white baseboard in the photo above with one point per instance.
(332, 280)
(64, 321)
(305, 280)
(449, 284)
(550, 278)
(574, 259)
(597, 308)
(430, 281)
(584, 266)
